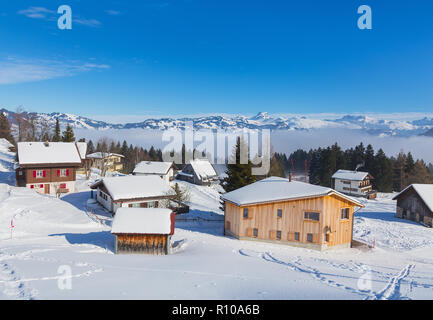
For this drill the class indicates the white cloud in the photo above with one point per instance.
(113, 12)
(37, 13)
(87, 22)
(13, 71)
(51, 15)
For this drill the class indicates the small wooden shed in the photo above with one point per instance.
(143, 230)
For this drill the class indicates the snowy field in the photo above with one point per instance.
(51, 233)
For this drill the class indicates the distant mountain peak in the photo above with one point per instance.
(261, 116)
(262, 120)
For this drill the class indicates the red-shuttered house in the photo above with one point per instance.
(48, 167)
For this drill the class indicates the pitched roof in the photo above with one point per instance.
(152, 167)
(51, 152)
(142, 221)
(134, 187)
(103, 155)
(279, 189)
(203, 168)
(350, 175)
(425, 191)
(82, 149)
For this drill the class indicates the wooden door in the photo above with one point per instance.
(47, 189)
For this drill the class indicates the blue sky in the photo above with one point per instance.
(156, 58)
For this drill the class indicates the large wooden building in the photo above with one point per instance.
(48, 167)
(416, 203)
(139, 230)
(132, 192)
(290, 212)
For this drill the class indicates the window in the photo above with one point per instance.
(256, 233)
(279, 235)
(297, 236)
(100, 193)
(279, 213)
(315, 216)
(309, 237)
(136, 205)
(39, 174)
(63, 173)
(345, 213)
(151, 204)
(245, 213)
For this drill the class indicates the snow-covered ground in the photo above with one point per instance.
(73, 233)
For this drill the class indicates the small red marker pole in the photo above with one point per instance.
(12, 226)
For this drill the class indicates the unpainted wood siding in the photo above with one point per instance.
(264, 218)
(143, 243)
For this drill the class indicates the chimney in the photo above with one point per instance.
(290, 176)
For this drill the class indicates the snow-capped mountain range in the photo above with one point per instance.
(368, 124)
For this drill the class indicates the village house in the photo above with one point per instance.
(416, 203)
(353, 183)
(164, 170)
(48, 167)
(132, 192)
(82, 149)
(105, 160)
(199, 171)
(290, 212)
(141, 230)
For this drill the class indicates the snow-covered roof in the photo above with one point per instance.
(135, 187)
(102, 155)
(51, 152)
(221, 170)
(203, 168)
(425, 191)
(82, 149)
(5, 143)
(350, 175)
(142, 221)
(279, 189)
(153, 167)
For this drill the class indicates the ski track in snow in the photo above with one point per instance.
(13, 287)
(392, 290)
(303, 268)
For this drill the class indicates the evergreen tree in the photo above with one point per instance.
(90, 147)
(238, 175)
(5, 129)
(57, 137)
(383, 169)
(68, 134)
(410, 163)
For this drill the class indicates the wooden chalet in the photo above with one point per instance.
(416, 203)
(143, 230)
(354, 183)
(131, 191)
(200, 172)
(291, 212)
(111, 161)
(48, 167)
(164, 170)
